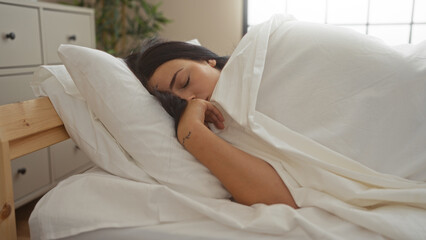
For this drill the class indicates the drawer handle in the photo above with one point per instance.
(72, 38)
(76, 148)
(11, 35)
(22, 171)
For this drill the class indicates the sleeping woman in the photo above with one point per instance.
(183, 76)
(314, 114)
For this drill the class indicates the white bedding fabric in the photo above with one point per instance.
(315, 101)
(340, 198)
(98, 205)
(81, 124)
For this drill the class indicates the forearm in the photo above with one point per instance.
(249, 179)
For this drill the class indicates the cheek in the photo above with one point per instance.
(215, 77)
(211, 74)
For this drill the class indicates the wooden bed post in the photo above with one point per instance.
(25, 127)
(7, 213)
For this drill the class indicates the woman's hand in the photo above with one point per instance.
(198, 111)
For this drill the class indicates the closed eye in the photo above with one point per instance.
(187, 83)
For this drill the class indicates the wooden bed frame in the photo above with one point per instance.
(25, 127)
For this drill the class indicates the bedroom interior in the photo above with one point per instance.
(16, 72)
(220, 26)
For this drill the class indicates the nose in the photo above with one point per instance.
(191, 97)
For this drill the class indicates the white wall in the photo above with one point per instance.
(217, 24)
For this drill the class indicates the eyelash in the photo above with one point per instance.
(187, 83)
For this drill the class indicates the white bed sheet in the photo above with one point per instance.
(199, 227)
(203, 229)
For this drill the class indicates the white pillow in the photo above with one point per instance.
(137, 121)
(86, 131)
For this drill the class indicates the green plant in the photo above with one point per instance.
(122, 24)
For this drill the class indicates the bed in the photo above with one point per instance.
(43, 127)
(146, 186)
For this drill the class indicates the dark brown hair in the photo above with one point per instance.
(153, 53)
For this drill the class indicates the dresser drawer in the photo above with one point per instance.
(65, 28)
(15, 88)
(20, 43)
(66, 158)
(30, 172)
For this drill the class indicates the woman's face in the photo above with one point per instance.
(187, 79)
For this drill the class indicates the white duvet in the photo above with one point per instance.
(339, 115)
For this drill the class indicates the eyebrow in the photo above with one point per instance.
(172, 83)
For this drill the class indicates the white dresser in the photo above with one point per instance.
(30, 34)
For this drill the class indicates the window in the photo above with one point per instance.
(394, 21)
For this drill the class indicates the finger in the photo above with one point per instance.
(206, 112)
(219, 125)
(216, 111)
(216, 116)
(212, 118)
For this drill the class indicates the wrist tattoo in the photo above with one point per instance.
(186, 137)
